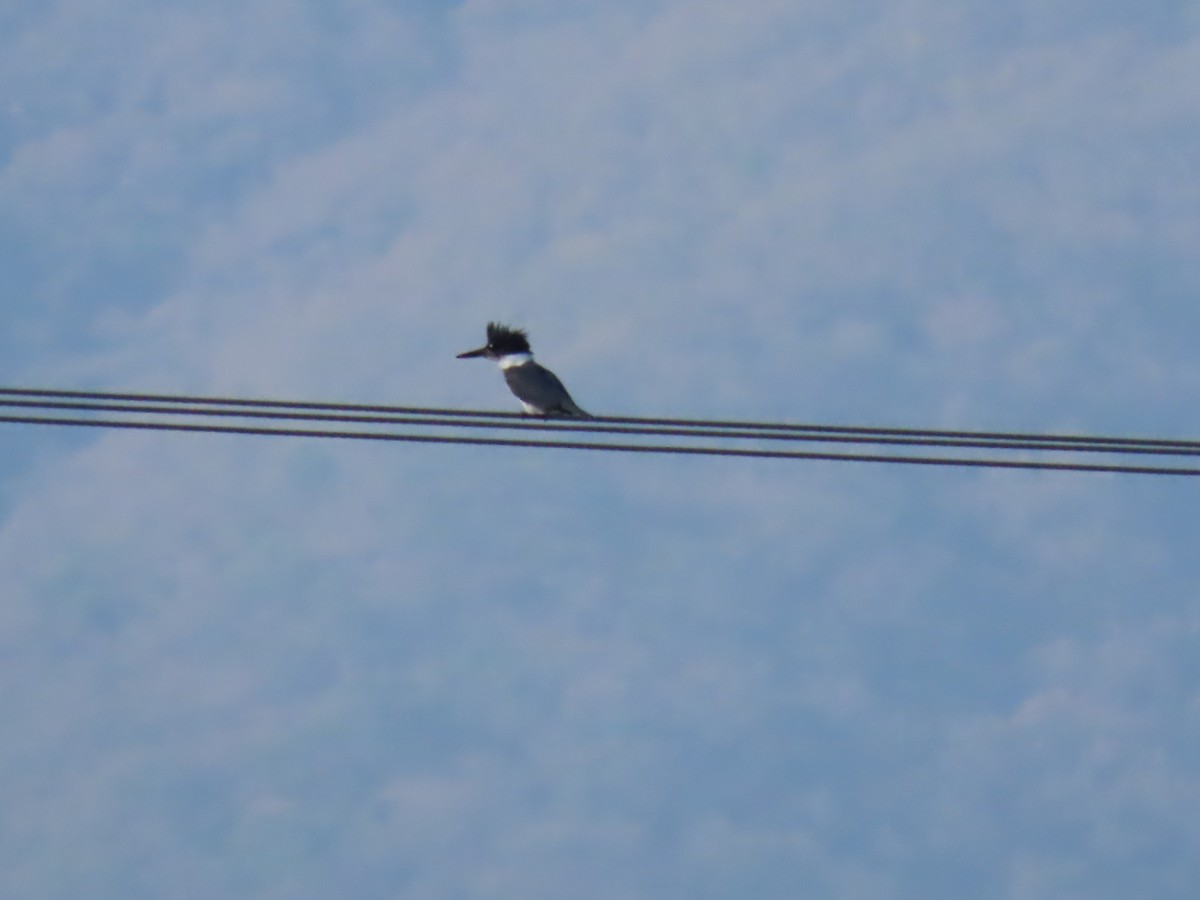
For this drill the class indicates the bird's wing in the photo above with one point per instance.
(540, 388)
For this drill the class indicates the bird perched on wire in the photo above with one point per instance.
(538, 389)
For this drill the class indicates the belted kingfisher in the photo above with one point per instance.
(538, 389)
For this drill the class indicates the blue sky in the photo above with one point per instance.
(288, 669)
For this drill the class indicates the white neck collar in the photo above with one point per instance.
(514, 359)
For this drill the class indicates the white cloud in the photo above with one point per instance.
(280, 669)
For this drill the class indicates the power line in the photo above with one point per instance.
(695, 429)
(624, 448)
(161, 409)
(1024, 438)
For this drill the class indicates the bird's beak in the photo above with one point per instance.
(471, 353)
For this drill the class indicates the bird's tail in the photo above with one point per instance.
(568, 409)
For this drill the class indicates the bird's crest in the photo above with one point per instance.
(503, 340)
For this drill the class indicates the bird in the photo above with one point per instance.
(538, 389)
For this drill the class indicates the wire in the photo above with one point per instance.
(623, 448)
(161, 406)
(696, 429)
(377, 414)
